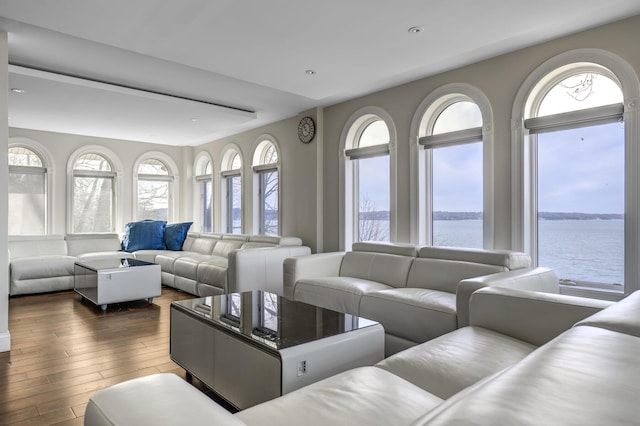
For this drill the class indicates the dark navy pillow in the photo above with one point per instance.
(144, 235)
(175, 234)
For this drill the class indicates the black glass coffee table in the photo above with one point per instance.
(254, 346)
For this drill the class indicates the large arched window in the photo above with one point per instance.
(368, 198)
(93, 193)
(574, 155)
(154, 190)
(27, 191)
(204, 192)
(232, 189)
(267, 182)
(452, 173)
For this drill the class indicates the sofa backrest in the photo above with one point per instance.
(508, 259)
(40, 245)
(444, 275)
(622, 317)
(203, 244)
(224, 247)
(91, 243)
(384, 263)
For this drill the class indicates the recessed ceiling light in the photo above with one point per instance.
(17, 90)
(193, 120)
(415, 30)
(310, 72)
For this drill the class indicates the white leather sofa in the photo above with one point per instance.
(211, 264)
(526, 358)
(39, 264)
(208, 264)
(416, 293)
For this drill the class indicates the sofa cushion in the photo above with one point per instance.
(213, 272)
(448, 364)
(157, 399)
(78, 244)
(41, 245)
(175, 234)
(507, 258)
(414, 314)
(42, 267)
(144, 235)
(340, 294)
(389, 269)
(622, 316)
(187, 266)
(444, 275)
(100, 255)
(203, 245)
(586, 376)
(363, 396)
(167, 259)
(388, 248)
(224, 247)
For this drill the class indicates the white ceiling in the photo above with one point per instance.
(232, 65)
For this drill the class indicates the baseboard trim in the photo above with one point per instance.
(5, 342)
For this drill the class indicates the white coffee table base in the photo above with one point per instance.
(106, 285)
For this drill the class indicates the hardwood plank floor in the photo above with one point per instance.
(64, 350)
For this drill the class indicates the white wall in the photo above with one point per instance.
(5, 338)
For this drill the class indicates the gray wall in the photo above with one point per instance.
(61, 147)
(499, 78)
(298, 172)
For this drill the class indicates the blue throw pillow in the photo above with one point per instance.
(144, 235)
(175, 234)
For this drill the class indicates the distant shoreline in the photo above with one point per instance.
(443, 215)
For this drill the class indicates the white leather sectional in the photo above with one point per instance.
(526, 358)
(212, 264)
(416, 293)
(208, 264)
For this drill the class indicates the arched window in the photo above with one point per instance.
(92, 194)
(452, 172)
(576, 169)
(204, 189)
(155, 186)
(232, 188)
(368, 176)
(27, 189)
(267, 182)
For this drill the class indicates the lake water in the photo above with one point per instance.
(584, 250)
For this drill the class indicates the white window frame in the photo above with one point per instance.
(115, 173)
(523, 179)
(49, 173)
(258, 168)
(348, 188)
(171, 178)
(202, 159)
(420, 188)
(226, 174)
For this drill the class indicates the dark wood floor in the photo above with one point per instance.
(63, 350)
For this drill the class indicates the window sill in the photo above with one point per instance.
(609, 293)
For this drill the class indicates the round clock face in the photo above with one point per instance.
(306, 129)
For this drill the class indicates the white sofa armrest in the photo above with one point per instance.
(529, 316)
(535, 279)
(159, 399)
(260, 268)
(314, 265)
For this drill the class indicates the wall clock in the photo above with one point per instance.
(306, 129)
